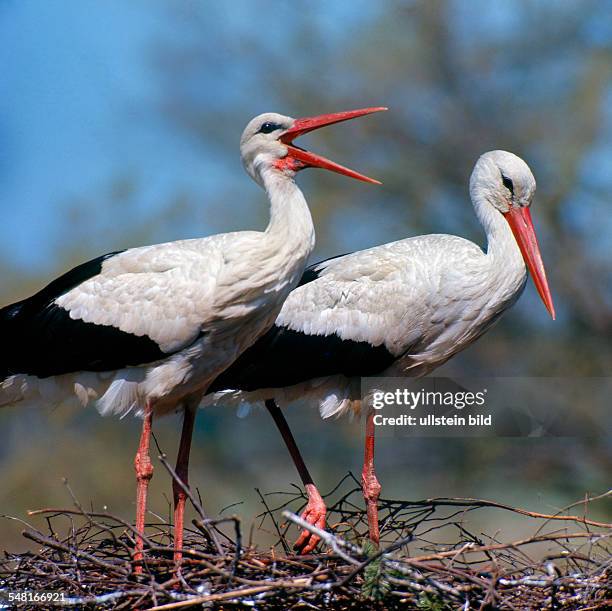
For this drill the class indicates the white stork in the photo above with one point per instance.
(400, 309)
(147, 329)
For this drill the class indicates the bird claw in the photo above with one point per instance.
(314, 514)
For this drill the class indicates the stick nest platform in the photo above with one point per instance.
(429, 559)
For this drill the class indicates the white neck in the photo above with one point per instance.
(500, 241)
(290, 229)
(504, 261)
(260, 272)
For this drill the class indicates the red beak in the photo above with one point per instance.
(298, 158)
(520, 222)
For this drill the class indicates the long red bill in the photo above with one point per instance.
(308, 159)
(304, 125)
(520, 222)
(307, 124)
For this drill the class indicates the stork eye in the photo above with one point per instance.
(508, 184)
(268, 127)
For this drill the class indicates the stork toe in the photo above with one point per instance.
(314, 514)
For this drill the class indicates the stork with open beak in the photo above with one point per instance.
(400, 309)
(146, 330)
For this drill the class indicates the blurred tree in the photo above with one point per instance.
(460, 78)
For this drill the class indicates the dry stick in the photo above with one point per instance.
(198, 600)
(100, 599)
(297, 495)
(490, 597)
(39, 538)
(529, 580)
(209, 565)
(269, 512)
(419, 568)
(96, 514)
(334, 542)
(237, 544)
(600, 605)
(16, 519)
(472, 549)
(435, 586)
(585, 502)
(532, 514)
(103, 527)
(542, 582)
(194, 501)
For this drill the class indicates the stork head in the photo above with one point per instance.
(267, 144)
(505, 181)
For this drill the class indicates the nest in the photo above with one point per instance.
(428, 560)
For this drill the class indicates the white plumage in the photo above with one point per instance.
(423, 298)
(172, 293)
(400, 309)
(146, 330)
(200, 301)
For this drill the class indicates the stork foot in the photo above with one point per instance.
(314, 514)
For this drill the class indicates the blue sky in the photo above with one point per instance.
(76, 108)
(80, 105)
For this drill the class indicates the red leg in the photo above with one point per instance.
(369, 482)
(182, 472)
(315, 509)
(144, 473)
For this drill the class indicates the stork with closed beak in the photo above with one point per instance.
(147, 329)
(400, 309)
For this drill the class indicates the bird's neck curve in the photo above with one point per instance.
(504, 265)
(290, 227)
(501, 243)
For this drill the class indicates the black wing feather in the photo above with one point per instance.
(312, 272)
(283, 357)
(39, 338)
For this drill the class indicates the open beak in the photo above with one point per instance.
(303, 159)
(519, 219)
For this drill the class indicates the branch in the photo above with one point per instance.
(332, 541)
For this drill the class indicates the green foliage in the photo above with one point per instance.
(432, 602)
(375, 586)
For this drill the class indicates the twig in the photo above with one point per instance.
(96, 514)
(64, 548)
(268, 512)
(198, 600)
(334, 542)
(472, 549)
(194, 501)
(470, 502)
